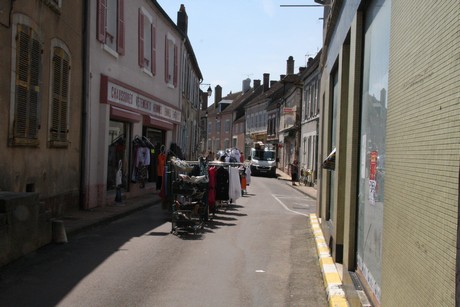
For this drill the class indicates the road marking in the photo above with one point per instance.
(285, 207)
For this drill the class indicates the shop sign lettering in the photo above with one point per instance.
(126, 97)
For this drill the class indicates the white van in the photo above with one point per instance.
(263, 160)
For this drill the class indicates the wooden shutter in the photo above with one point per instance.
(101, 20)
(154, 50)
(141, 38)
(28, 61)
(121, 27)
(60, 98)
(176, 66)
(166, 59)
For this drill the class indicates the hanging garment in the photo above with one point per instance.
(248, 175)
(234, 190)
(142, 156)
(161, 161)
(212, 189)
(222, 181)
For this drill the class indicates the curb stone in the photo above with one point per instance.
(332, 282)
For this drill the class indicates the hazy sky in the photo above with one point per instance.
(238, 39)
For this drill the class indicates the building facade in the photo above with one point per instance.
(137, 93)
(41, 98)
(389, 107)
(309, 119)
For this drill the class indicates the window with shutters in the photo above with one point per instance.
(171, 64)
(27, 87)
(59, 106)
(111, 25)
(147, 42)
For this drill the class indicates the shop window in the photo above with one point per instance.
(111, 25)
(26, 121)
(59, 106)
(118, 153)
(373, 127)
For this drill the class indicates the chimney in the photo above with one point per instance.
(256, 83)
(290, 66)
(246, 85)
(266, 81)
(217, 95)
(309, 61)
(282, 77)
(182, 19)
(204, 104)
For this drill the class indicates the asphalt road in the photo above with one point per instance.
(259, 252)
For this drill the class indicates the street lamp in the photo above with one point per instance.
(209, 91)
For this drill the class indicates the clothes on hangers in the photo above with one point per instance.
(222, 181)
(234, 188)
(161, 162)
(212, 188)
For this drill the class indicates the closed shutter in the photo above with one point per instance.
(141, 38)
(121, 27)
(176, 65)
(154, 50)
(60, 98)
(101, 20)
(26, 118)
(166, 59)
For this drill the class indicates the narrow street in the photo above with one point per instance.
(258, 252)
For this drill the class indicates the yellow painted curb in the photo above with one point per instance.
(332, 282)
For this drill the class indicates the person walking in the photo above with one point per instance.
(294, 171)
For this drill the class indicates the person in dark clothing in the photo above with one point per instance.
(294, 171)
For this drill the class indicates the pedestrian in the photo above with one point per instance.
(294, 171)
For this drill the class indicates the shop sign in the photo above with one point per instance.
(373, 165)
(123, 96)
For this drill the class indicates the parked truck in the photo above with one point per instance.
(263, 159)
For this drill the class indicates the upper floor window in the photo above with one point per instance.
(111, 24)
(171, 58)
(59, 106)
(55, 5)
(26, 106)
(227, 125)
(147, 42)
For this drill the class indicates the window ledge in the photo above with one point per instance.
(23, 142)
(59, 144)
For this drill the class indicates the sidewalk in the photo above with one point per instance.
(309, 191)
(76, 221)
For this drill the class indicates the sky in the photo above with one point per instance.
(238, 39)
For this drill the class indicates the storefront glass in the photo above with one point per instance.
(118, 151)
(156, 137)
(373, 127)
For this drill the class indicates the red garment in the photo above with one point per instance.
(212, 188)
(161, 161)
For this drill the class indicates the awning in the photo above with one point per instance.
(157, 123)
(124, 115)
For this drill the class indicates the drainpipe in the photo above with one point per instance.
(84, 107)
